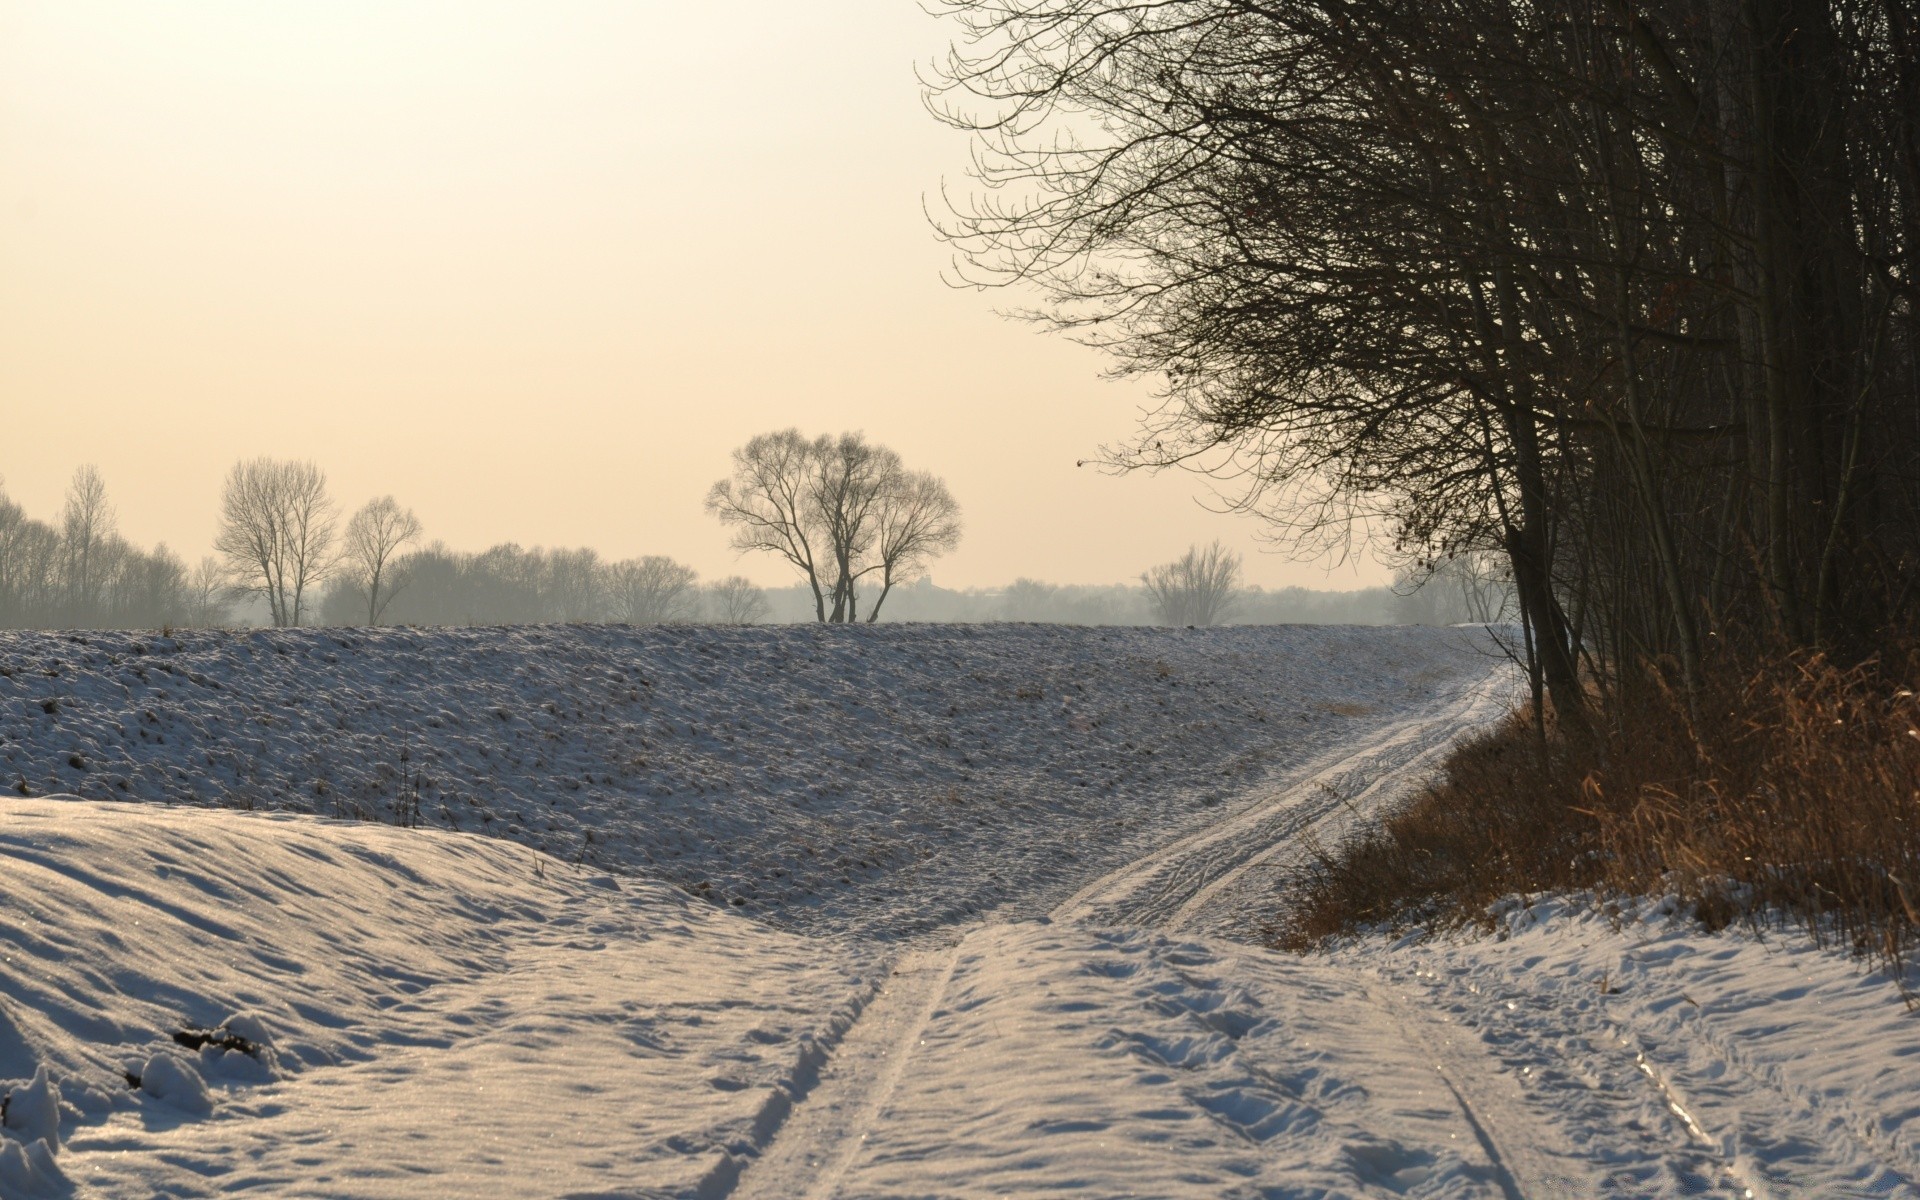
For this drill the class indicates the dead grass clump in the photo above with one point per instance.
(1793, 795)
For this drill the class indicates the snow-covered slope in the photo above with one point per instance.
(433, 1014)
(889, 777)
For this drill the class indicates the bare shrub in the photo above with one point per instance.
(1793, 797)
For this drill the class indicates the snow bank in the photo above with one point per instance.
(1716, 1063)
(200, 1003)
(883, 778)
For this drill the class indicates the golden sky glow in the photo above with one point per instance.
(533, 267)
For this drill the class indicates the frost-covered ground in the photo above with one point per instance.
(884, 777)
(1023, 979)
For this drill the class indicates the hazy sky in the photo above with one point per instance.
(534, 267)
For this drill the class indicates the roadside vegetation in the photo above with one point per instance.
(1787, 795)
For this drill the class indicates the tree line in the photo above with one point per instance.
(1621, 292)
(844, 511)
(79, 572)
(283, 557)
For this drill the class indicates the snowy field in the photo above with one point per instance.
(883, 778)
(887, 912)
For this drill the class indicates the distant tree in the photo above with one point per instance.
(1197, 589)
(204, 596)
(850, 481)
(654, 590)
(916, 519)
(1027, 600)
(276, 533)
(30, 559)
(736, 601)
(506, 584)
(85, 524)
(373, 541)
(574, 589)
(771, 503)
(837, 509)
(143, 589)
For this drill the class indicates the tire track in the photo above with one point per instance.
(1175, 886)
(826, 1128)
(808, 1151)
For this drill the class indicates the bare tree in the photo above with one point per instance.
(204, 596)
(1197, 589)
(1483, 584)
(737, 601)
(85, 524)
(143, 588)
(654, 590)
(373, 541)
(573, 588)
(916, 520)
(838, 509)
(772, 505)
(850, 481)
(1623, 293)
(276, 533)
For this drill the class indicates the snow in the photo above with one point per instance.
(1728, 1063)
(1180, 1068)
(889, 778)
(1034, 972)
(432, 1006)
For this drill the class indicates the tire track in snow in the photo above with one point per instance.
(1706, 1144)
(808, 1147)
(1175, 886)
(1193, 881)
(1529, 1156)
(829, 1122)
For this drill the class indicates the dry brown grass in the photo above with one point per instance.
(1795, 796)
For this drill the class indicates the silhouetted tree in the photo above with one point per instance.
(205, 593)
(574, 588)
(654, 590)
(276, 533)
(1198, 588)
(1622, 293)
(735, 600)
(837, 509)
(916, 520)
(373, 540)
(770, 502)
(86, 525)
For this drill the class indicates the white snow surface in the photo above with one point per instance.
(441, 1015)
(888, 778)
(1035, 974)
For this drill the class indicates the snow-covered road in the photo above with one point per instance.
(1577, 1055)
(1025, 968)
